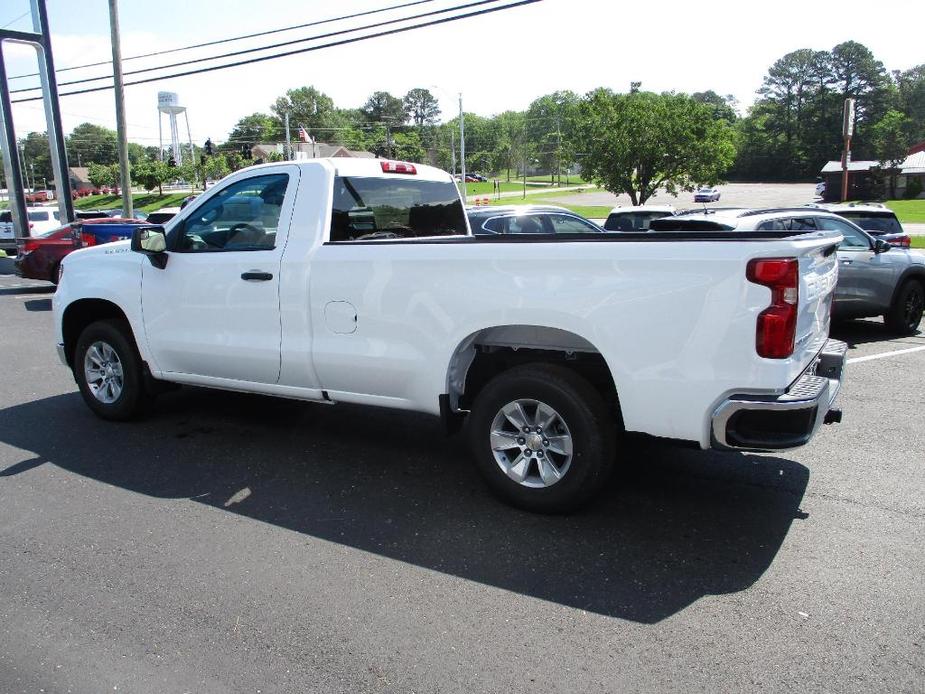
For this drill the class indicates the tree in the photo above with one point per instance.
(382, 107)
(152, 174)
(910, 86)
(102, 175)
(92, 143)
(408, 147)
(307, 107)
(724, 107)
(256, 128)
(216, 167)
(550, 127)
(36, 158)
(421, 106)
(638, 143)
(890, 140)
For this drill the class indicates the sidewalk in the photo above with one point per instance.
(914, 229)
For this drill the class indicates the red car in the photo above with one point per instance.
(38, 257)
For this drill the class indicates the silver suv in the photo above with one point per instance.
(874, 218)
(874, 278)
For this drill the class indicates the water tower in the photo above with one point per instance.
(169, 103)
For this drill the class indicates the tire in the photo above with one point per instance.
(109, 342)
(534, 472)
(906, 312)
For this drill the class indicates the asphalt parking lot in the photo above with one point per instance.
(236, 543)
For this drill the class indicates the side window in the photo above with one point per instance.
(526, 224)
(853, 239)
(496, 225)
(802, 224)
(566, 224)
(242, 217)
(772, 225)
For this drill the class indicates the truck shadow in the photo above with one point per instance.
(674, 526)
(866, 331)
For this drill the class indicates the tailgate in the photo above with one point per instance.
(818, 275)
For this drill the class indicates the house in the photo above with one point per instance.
(865, 177)
(80, 179)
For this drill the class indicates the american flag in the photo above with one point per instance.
(303, 135)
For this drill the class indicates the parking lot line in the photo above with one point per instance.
(894, 353)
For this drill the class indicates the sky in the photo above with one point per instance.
(499, 61)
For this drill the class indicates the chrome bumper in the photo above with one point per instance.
(749, 422)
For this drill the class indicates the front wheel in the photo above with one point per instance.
(108, 372)
(542, 437)
(906, 312)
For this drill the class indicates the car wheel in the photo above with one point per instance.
(108, 372)
(906, 312)
(542, 438)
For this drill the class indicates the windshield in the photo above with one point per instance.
(377, 208)
(874, 221)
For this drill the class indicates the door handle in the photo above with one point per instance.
(256, 275)
(847, 262)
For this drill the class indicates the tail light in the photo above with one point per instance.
(27, 246)
(901, 241)
(777, 324)
(87, 240)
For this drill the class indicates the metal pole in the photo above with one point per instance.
(462, 149)
(288, 153)
(160, 136)
(120, 109)
(525, 158)
(11, 161)
(49, 82)
(192, 152)
(453, 149)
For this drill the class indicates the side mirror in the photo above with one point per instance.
(881, 246)
(152, 242)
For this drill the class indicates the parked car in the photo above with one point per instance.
(117, 212)
(528, 219)
(38, 196)
(91, 214)
(706, 194)
(636, 218)
(874, 218)
(38, 257)
(358, 280)
(875, 279)
(162, 215)
(41, 219)
(820, 188)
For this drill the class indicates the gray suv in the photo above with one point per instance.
(874, 278)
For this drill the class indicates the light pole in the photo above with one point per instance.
(462, 142)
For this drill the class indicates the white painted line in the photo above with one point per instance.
(884, 355)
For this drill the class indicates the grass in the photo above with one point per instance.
(911, 211)
(146, 202)
(918, 241)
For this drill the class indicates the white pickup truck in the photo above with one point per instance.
(349, 280)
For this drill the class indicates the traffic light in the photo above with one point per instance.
(246, 152)
(208, 146)
(171, 162)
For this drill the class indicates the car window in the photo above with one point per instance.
(370, 208)
(241, 217)
(527, 224)
(38, 216)
(6, 217)
(632, 221)
(875, 221)
(853, 238)
(496, 225)
(566, 224)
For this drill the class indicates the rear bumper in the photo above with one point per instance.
(750, 422)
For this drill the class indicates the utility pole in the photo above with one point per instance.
(462, 149)
(558, 153)
(453, 150)
(847, 132)
(525, 158)
(288, 152)
(120, 109)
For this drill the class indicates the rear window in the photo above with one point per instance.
(6, 217)
(681, 224)
(41, 216)
(874, 221)
(388, 208)
(632, 221)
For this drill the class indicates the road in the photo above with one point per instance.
(231, 543)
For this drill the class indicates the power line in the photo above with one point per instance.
(228, 40)
(309, 49)
(11, 23)
(271, 46)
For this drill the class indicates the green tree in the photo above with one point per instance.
(551, 123)
(92, 143)
(407, 147)
(36, 158)
(256, 128)
(216, 167)
(102, 175)
(637, 143)
(307, 107)
(151, 174)
(724, 107)
(421, 107)
(910, 86)
(890, 141)
(382, 107)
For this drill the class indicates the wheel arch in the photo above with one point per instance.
(487, 352)
(81, 313)
(916, 273)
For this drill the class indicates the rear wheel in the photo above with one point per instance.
(542, 437)
(108, 372)
(906, 312)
